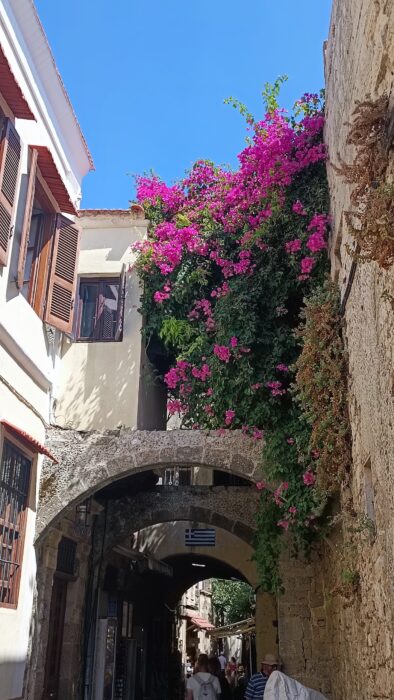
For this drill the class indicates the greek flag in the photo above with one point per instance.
(200, 537)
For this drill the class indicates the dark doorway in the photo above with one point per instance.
(55, 638)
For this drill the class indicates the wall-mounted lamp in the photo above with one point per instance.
(82, 516)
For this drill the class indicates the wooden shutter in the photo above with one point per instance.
(31, 188)
(121, 304)
(63, 275)
(10, 152)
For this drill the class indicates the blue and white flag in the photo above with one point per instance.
(200, 537)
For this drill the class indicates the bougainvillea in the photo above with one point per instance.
(229, 259)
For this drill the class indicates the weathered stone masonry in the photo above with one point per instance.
(90, 461)
(360, 61)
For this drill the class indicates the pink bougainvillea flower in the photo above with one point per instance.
(208, 409)
(257, 434)
(209, 391)
(298, 208)
(282, 367)
(255, 386)
(222, 352)
(284, 524)
(233, 341)
(308, 478)
(276, 388)
(293, 510)
(316, 242)
(290, 441)
(307, 265)
(175, 406)
(260, 485)
(293, 246)
(229, 416)
(221, 432)
(159, 297)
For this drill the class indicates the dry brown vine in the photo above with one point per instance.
(371, 222)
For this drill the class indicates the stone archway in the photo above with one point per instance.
(88, 462)
(217, 506)
(164, 541)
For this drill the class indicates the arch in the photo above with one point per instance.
(166, 540)
(218, 506)
(88, 461)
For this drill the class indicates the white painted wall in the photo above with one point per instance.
(98, 383)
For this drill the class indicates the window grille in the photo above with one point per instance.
(66, 556)
(14, 490)
(177, 477)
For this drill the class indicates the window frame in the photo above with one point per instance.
(99, 281)
(28, 454)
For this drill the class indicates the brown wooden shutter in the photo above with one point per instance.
(10, 152)
(121, 305)
(31, 188)
(63, 275)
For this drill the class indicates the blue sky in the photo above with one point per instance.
(148, 78)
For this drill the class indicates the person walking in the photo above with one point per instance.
(215, 668)
(241, 683)
(256, 686)
(222, 661)
(203, 685)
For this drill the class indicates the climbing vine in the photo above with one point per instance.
(371, 220)
(228, 262)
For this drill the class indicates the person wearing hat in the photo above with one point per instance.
(257, 683)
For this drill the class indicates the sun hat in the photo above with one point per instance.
(270, 660)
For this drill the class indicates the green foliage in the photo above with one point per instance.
(232, 601)
(271, 93)
(176, 333)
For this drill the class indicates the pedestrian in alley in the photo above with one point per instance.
(222, 661)
(256, 686)
(215, 669)
(241, 683)
(203, 685)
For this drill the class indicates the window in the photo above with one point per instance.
(100, 309)
(15, 472)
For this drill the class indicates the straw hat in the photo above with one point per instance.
(270, 660)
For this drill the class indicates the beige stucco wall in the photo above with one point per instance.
(360, 61)
(98, 383)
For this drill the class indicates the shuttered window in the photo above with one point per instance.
(15, 470)
(10, 151)
(100, 309)
(62, 277)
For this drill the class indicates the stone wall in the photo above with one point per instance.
(304, 644)
(360, 61)
(216, 506)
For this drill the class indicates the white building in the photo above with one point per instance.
(43, 158)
